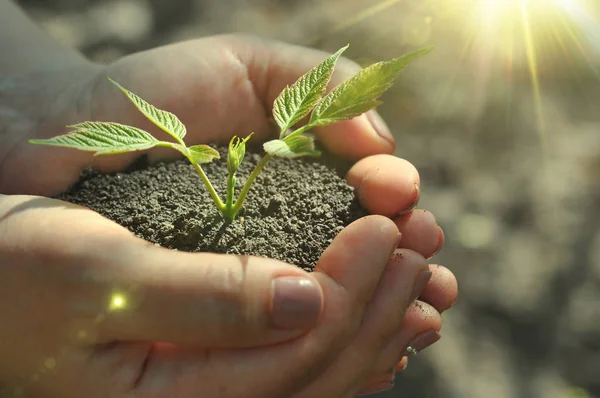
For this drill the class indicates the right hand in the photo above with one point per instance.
(191, 324)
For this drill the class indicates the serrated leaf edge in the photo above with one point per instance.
(326, 102)
(318, 78)
(81, 128)
(132, 98)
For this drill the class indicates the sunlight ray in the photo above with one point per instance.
(449, 85)
(533, 71)
(361, 16)
(579, 45)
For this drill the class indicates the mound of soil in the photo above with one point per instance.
(292, 213)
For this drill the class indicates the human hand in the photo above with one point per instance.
(252, 83)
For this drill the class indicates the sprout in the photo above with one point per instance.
(305, 98)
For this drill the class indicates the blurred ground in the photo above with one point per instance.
(502, 121)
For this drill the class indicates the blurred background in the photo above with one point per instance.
(503, 122)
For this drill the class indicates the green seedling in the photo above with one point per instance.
(306, 98)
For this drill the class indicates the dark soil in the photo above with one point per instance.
(292, 213)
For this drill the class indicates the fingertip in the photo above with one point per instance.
(385, 184)
(371, 223)
(440, 245)
(420, 232)
(359, 253)
(442, 290)
(419, 317)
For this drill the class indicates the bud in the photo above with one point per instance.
(236, 153)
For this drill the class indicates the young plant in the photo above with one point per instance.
(307, 97)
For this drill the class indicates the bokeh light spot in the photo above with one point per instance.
(50, 363)
(118, 302)
(475, 230)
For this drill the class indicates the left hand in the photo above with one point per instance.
(219, 87)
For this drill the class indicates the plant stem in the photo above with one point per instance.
(299, 131)
(230, 191)
(230, 212)
(185, 151)
(209, 186)
(240, 200)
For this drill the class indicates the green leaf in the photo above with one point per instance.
(236, 153)
(203, 153)
(292, 147)
(296, 101)
(103, 138)
(166, 121)
(360, 93)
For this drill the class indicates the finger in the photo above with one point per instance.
(118, 287)
(207, 300)
(441, 291)
(420, 329)
(362, 136)
(420, 232)
(214, 300)
(405, 276)
(385, 184)
(339, 265)
(348, 271)
(384, 381)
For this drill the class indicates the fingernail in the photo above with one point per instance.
(421, 342)
(402, 365)
(419, 285)
(416, 197)
(440, 243)
(296, 302)
(380, 126)
(413, 204)
(377, 387)
(398, 238)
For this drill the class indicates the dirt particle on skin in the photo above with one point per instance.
(292, 213)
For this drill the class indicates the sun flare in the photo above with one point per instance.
(545, 36)
(522, 42)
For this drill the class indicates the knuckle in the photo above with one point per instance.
(228, 302)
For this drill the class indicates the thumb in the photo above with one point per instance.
(208, 300)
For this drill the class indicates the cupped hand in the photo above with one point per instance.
(93, 310)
